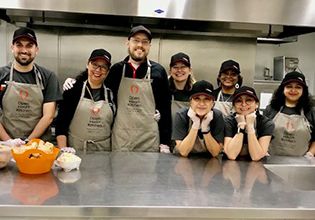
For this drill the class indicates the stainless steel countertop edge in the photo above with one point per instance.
(156, 212)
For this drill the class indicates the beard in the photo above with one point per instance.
(23, 61)
(135, 57)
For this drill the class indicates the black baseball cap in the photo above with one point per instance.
(202, 87)
(245, 90)
(180, 57)
(101, 54)
(138, 29)
(230, 65)
(24, 32)
(294, 77)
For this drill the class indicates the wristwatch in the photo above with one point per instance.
(205, 132)
(241, 130)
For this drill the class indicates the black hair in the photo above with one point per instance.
(304, 102)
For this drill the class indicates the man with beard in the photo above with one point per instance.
(142, 88)
(28, 92)
(141, 91)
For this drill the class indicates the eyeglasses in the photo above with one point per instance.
(138, 41)
(179, 67)
(95, 66)
(248, 101)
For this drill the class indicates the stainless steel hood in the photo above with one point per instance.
(272, 20)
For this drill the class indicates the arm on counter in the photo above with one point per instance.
(212, 145)
(257, 147)
(185, 146)
(233, 146)
(183, 134)
(233, 141)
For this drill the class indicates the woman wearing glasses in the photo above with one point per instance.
(294, 118)
(87, 110)
(247, 133)
(229, 79)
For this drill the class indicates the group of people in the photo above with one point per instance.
(134, 106)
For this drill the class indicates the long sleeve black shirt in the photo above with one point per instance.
(68, 105)
(160, 87)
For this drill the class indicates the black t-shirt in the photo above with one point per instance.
(181, 125)
(51, 90)
(181, 95)
(264, 126)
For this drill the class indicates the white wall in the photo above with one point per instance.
(304, 49)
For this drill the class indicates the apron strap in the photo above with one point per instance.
(38, 77)
(39, 80)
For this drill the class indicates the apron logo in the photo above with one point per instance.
(95, 111)
(23, 94)
(289, 126)
(134, 89)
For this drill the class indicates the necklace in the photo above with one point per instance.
(225, 97)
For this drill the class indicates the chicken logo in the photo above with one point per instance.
(290, 127)
(134, 89)
(23, 94)
(95, 111)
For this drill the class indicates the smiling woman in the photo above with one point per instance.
(229, 79)
(181, 81)
(199, 128)
(294, 116)
(247, 133)
(86, 113)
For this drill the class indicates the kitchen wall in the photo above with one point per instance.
(66, 51)
(304, 49)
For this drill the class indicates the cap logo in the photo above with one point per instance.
(235, 67)
(299, 78)
(106, 57)
(209, 90)
(184, 58)
(30, 35)
(249, 91)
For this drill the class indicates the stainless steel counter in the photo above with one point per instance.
(161, 186)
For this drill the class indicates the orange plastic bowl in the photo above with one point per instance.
(35, 165)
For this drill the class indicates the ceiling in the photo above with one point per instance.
(279, 22)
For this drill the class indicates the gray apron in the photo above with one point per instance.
(226, 107)
(176, 106)
(292, 135)
(134, 127)
(90, 128)
(200, 145)
(23, 107)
